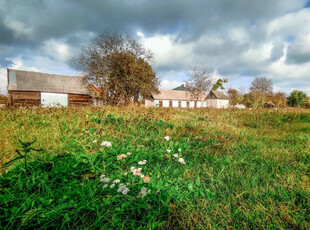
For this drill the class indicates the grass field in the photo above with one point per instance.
(241, 169)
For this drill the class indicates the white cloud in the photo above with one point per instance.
(57, 50)
(166, 84)
(168, 51)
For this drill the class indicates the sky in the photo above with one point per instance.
(238, 40)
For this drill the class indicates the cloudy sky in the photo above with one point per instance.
(238, 40)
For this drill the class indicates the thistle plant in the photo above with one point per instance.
(23, 153)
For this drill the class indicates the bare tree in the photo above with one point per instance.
(118, 68)
(261, 84)
(199, 82)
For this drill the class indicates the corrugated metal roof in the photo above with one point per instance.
(44, 82)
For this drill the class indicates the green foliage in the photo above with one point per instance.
(25, 150)
(244, 169)
(297, 99)
(219, 84)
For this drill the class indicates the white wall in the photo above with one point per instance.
(204, 104)
(222, 104)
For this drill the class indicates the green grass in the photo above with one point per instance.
(244, 169)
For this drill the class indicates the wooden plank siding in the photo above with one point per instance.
(24, 98)
(28, 98)
(78, 100)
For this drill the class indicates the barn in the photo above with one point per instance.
(181, 98)
(26, 88)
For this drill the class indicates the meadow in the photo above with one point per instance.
(154, 168)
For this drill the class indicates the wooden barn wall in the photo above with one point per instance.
(79, 100)
(24, 98)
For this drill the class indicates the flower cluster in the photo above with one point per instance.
(142, 162)
(104, 179)
(143, 192)
(106, 143)
(119, 157)
(181, 160)
(167, 138)
(123, 189)
(136, 172)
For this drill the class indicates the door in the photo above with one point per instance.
(54, 99)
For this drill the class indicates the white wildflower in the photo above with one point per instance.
(142, 162)
(181, 160)
(125, 191)
(167, 138)
(125, 174)
(119, 157)
(105, 186)
(142, 176)
(116, 181)
(149, 191)
(142, 192)
(179, 150)
(105, 180)
(112, 186)
(106, 143)
(129, 153)
(132, 168)
(168, 150)
(176, 155)
(94, 141)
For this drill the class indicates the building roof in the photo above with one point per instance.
(180, 88)
(44, 82)
(168, 94)
(218, 94)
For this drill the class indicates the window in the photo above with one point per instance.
(192, 104)
(198, 104)
(175, 104)
(156, 103)
(183, 104)
(204, 104)
(165, 103)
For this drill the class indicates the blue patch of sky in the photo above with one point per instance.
(290, 38)
(307, 4)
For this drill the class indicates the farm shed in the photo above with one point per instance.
(217, 99)
(26, 88)
(180, 98)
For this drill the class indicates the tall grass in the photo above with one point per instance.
(244, 168)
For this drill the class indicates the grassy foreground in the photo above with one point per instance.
(243, 169)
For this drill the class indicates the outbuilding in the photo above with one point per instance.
(27, 88)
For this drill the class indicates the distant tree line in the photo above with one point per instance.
(261, 94)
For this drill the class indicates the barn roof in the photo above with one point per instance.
(44, 82)
(218, 94)
(168, 94)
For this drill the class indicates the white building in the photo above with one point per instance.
(180, 98)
